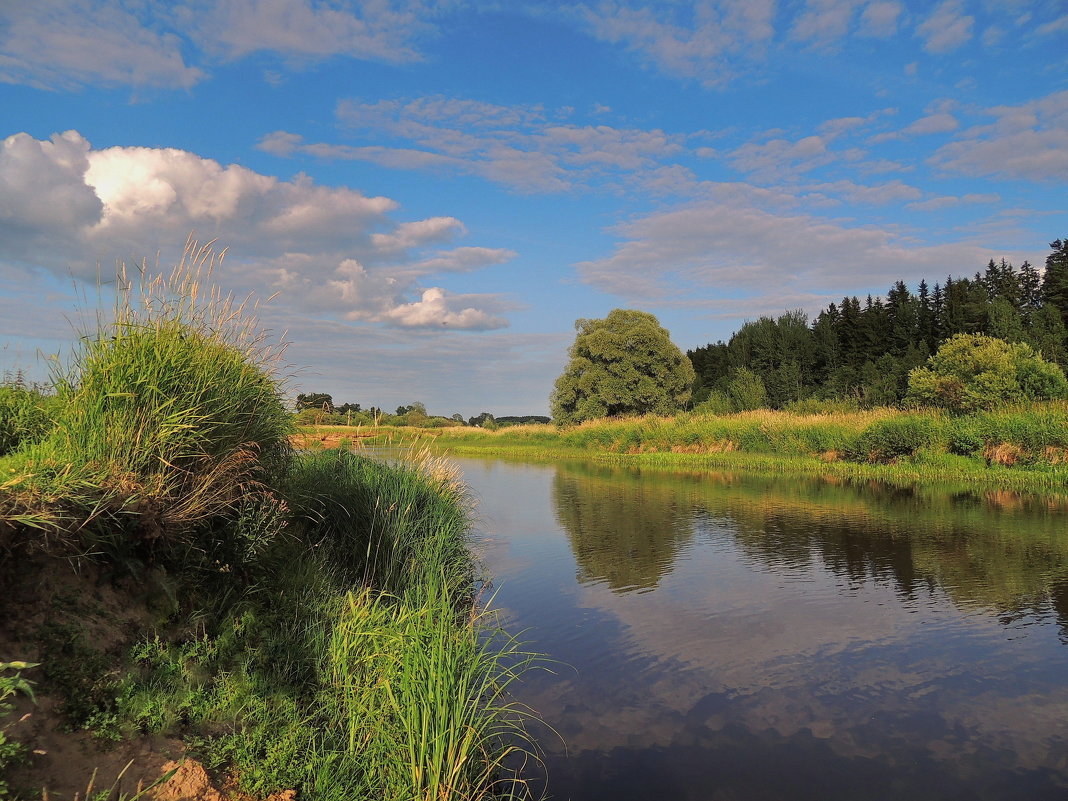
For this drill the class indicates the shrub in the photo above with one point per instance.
(895, 437)
(746, 390)
(972, 372)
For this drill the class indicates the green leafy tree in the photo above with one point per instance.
(315, 400)
(971, 372)
(623, 364)
(746, 390)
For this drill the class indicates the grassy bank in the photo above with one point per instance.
(303, 623)
(1022, 447)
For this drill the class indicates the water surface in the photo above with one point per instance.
(741, 638)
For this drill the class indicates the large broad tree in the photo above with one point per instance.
(623, 364)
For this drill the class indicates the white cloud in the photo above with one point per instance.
(1055, 26)
(879, 20)
(66, 43)
(518, 146)
(719, 247)
(947, 28)
(781, 158)
(70, 43)
(942, 122)
(1028, 141)
(950, 201)
(879, 194)
(824, 22)
(703, 40)
(379, 31)
(65, 206)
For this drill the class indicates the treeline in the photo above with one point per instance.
(863, 351)
(318, 408)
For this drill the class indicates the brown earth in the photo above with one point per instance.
(72, 766)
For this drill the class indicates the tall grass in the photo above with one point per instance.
(169, 414)
(26, 415)
(1031, 440)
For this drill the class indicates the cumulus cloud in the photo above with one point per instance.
(1028, 141)
(947, 28)
(735, 248)
(65, 206)
(521, 147)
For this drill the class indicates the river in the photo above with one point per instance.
(740, 638)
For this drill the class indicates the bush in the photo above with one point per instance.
(896, 437)
(746, 390)
(972, 372)
(717, 403)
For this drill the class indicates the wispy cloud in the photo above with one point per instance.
(56, 43)
(1028, 141)
(703, 40)
(880, 19)
(69, 207)
(947, 28)
(522, 147)
(71, 43)
(736, 247)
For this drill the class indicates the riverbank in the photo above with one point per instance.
(1023, 448)
(187, 596)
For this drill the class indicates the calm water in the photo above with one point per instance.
(729, 637)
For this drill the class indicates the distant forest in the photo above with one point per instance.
(863, 350)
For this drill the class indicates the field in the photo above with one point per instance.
(1020, 447)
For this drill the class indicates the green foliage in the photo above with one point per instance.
(319, 401)
(717, 402)
(12, 752)
(623, 364)
(26, 415)
(971, 372)
(863, 350)
(746, 390)
(896, 437)
(362, 673)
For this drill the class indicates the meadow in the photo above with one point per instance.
(1024, 447)
(304, 623)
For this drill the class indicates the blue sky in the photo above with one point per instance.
(435, 191)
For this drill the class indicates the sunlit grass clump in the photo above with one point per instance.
(168, 414)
